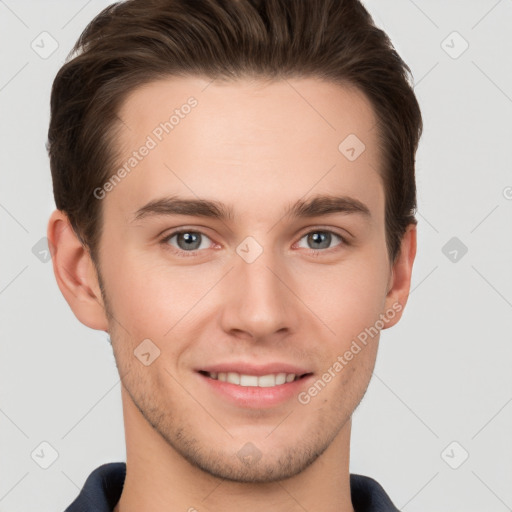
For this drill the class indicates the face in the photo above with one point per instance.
(218, 248)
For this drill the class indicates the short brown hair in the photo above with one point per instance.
(135, 42)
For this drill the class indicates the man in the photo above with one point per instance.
(235, 192)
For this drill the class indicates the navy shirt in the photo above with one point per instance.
(103, 487)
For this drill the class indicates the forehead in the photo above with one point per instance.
(248, 141)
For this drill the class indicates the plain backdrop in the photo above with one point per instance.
(435, 427)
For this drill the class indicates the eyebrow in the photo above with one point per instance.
(313, 207)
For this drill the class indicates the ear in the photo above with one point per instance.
(400, 279)
(75, 273)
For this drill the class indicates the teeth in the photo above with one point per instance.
(281, 378)
(232, 377)
(264, 381)
(248, 380)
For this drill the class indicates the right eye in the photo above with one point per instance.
(187, 241)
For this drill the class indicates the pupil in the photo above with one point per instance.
(190, 239)
(320, 236)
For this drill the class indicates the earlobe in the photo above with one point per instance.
(401, 273)
(75, 273)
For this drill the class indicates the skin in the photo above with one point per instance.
(256, 147)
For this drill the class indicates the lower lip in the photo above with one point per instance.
(254, 396)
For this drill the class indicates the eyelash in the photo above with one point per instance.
(195, 252)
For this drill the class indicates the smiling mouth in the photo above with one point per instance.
(262, 381)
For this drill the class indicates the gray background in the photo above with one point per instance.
(442, 387)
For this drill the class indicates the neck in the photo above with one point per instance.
(159, 479)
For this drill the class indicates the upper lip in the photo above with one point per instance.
(252, 369)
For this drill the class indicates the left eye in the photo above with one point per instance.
(320, 239)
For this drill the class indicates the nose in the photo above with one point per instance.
(259, 303)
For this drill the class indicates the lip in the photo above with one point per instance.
(251, 369)
(254, 397)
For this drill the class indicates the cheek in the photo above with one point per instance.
(149, 298)
(348, 297)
